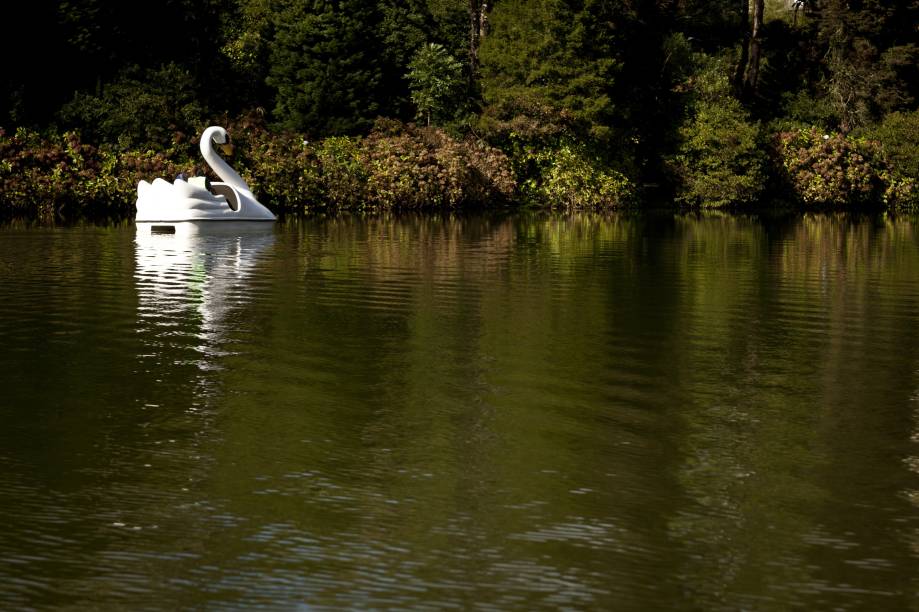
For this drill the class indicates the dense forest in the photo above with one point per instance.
(364, 104)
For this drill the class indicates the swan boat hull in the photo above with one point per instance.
(163, 202)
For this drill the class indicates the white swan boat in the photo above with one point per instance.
(161, 204)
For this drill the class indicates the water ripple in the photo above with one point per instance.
(515, 412)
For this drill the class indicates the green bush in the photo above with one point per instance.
(833, 169)
(343, 172)
(396, 166)
(549, 168)
(803, 109)
(517, 123)
(899, 138)
(566, 177)
(282, 169)
(411, 167)
(61, 176)
(720, 159)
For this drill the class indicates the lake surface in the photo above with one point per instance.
(496, 412)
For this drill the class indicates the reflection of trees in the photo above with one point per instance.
(552, 398)
(64, 316)
(586, 410)
(788, 350)
(421, 372)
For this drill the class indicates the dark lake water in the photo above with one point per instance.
(497, 412)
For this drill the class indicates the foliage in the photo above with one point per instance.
(539, 52)
(591, 102)
(412, 167)
(549, 168)
(714, 23)
(514, 124)
(326, 67)
(395, 166)
(246, 37)
(897, 136)
(801, 109)
(53, 48)
(720, 159)
(569, 179)
(404, 27)
(436, 82)
(449, 26)
(868, 54)
(140, 110)
(343, 174)
(283, 169)
(62, 176)
(834, 169)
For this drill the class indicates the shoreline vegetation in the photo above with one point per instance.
(368, 106)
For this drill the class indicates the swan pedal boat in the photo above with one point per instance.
(161, 202)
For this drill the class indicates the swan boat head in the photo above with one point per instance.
(197, 200)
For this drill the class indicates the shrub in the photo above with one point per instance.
(61, 176)
(720, 159)
(549, 168)
(412, 167)
(516, 123)
(396, 166)
(285, 171)
(898, 137)
(567, 177)
(833, 169)
(344, 175)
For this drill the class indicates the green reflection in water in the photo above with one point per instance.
(630, 412)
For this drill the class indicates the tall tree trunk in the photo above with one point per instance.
(741, 70)
(751, 78)
(478, 28)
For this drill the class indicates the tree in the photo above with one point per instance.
(248, 33)
(754, 45)
(55, 48)
(435, 78)
(720, 159)
(478, 27)
(139, 109)
(405, 26)
(450, 27)
(869, 51)
(326, 66)
(544, 52)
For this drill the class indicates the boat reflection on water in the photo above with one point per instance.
(192, 278)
